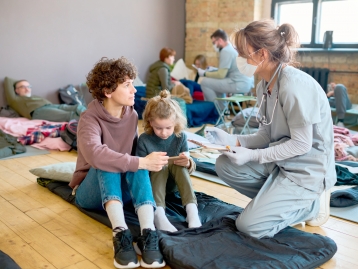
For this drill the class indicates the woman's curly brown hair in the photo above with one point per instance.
(163, 106)
(107, 74)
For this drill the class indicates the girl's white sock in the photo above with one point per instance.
(161, 221)
(192, 215)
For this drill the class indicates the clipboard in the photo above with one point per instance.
(209, 145)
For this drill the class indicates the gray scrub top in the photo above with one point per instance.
(227, 60)
(301, 102)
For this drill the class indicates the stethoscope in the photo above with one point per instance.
(263, 119)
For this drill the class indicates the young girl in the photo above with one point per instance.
(163, 125)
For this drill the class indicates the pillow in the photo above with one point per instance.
(138, 82)
(58, 171)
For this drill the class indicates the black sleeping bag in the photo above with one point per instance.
(6, 262)
(218, 244)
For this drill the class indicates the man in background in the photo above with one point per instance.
(20, 99)
(227, 79)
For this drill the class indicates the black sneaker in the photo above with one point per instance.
(124, 254)
(148, 244)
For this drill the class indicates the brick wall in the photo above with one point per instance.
(343, 66)
(203, 17)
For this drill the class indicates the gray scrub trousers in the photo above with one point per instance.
(234, 82)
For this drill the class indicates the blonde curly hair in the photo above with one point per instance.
(163, 106)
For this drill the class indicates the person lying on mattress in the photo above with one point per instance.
(287, 167)
(35, 107)
(107, 173)
(338, 98)
(163, 122)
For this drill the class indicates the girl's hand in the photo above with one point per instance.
(183, 161)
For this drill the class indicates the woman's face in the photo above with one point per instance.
(169, 60)
(197, 63)
(255, 56)
(123, 95)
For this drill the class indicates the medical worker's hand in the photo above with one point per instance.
(219, 137)
(241, 155)
(201, 72)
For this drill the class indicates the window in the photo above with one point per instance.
(312, 18)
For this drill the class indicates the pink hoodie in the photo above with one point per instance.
(105, 142)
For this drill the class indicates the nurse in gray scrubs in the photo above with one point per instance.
(287, 167)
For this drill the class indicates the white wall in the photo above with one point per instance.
(53, 43)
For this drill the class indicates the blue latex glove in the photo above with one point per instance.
(219, 137)
(201, 72)
(241, 155)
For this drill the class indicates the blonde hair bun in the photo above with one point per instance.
(164, 94)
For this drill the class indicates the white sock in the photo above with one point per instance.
(161, 221)
(146, 216)
(116, 215)
(192, 215)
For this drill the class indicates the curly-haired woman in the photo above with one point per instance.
(107, 174)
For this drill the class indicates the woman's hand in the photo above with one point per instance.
(183, 161)
(220, 137)
(241, 155)
(154, 161)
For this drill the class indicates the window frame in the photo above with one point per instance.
(315, 16)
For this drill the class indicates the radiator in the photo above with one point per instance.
(319, 74)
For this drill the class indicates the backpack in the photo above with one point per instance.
(69, 135)
(70, 96)
(8, 112)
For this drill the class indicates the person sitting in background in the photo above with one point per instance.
(160, 79)
(200, 62)
(227, 79)
(35, 107)
(338, 98)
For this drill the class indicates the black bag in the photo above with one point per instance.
(69, 135)
(70, 96)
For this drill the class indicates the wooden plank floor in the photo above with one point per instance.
(40, 230)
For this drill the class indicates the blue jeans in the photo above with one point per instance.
(100, 186)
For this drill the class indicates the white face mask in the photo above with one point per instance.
(246, 68)
(216, 48)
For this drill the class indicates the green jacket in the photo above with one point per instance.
(22, 104)
(159, 78)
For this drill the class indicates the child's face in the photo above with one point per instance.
(163, 128)
(197, 63)
(124, 93)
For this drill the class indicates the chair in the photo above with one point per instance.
(235, 99)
